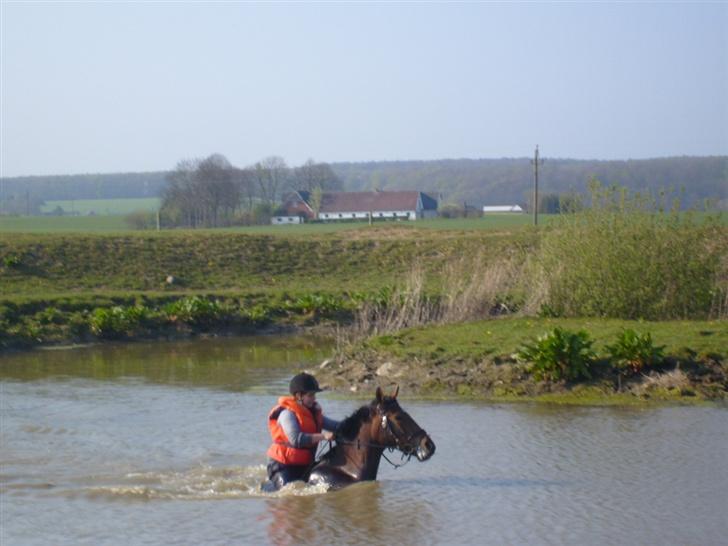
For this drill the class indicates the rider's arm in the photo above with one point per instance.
(330, 424)
(289, 424)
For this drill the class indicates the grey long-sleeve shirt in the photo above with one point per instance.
(288, 422)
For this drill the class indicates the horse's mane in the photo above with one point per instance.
(349, 427)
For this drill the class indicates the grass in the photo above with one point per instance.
(109, 218)
(57, 224)
(104, 206)
(223, 261)
(502, 337)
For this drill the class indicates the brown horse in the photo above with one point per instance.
(362, 438)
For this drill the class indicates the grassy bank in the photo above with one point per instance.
(47, 264)
(477, 360)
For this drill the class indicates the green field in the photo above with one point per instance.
(106, 223)
(59, 224)
(85, 207)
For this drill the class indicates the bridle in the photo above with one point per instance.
(405, 444)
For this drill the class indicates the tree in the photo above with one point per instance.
(201, 193)
(312, 175)
(217, 190)
(316, 198)
(271, 175)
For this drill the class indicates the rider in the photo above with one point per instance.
(296, 425)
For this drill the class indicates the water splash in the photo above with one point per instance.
(200, 483)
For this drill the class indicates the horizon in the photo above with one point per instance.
(92, 88)
(525, 158)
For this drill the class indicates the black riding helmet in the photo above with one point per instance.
(303, 382)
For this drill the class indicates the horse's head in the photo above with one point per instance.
(394, 427)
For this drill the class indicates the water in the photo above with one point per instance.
(164, 443)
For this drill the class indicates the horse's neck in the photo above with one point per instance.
(360, 458)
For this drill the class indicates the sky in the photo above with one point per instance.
(99, 87)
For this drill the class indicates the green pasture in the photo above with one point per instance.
(115, 222)
(474, 341)
(52, 224)
(85, 207)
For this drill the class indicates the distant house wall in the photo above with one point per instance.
(358, 215)
(287, 220)
(502, 208)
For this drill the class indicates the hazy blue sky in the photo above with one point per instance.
(108, 87)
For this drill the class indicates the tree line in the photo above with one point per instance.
(466, 183)
(211, 192)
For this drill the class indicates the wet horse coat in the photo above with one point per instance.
(362, 438)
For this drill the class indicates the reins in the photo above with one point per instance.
(363, 445)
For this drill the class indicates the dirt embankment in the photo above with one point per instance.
(506, 379)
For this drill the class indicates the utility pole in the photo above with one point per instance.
(536, 162)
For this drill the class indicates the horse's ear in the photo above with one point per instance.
(380, 396)
(396, 391)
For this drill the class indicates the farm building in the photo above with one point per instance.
(406, 205)
(502, 208)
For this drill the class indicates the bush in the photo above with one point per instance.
(635, 352)
(559, 354)
(626, 257)
(141, 219)
(12, 261)
(195, 311)
(116, 322)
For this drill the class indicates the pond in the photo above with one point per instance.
(164, 443)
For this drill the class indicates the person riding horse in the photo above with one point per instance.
(296, 424)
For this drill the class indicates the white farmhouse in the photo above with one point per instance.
(406, 205)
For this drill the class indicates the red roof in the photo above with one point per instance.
(369, 201)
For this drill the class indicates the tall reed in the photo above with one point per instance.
(472, 288)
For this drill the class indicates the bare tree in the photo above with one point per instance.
(178, 199)
(201, 192)
(312, 175)
(247, 186)
(272, 175)
(216, 189)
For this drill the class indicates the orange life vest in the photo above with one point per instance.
(310, 422)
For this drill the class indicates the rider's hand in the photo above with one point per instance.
(327, 435)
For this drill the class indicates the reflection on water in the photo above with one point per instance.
(229, 363)
(365, 513)
(165, 443)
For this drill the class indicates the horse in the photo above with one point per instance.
(362, 438)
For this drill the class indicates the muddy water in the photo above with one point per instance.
(164, 444)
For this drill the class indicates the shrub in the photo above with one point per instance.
(626, 257)
(49, 315)
(141, 219)
(12, 261)
(319, 304)
(634, 351)
(195, 310)
(559, 354)
(116, 322)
